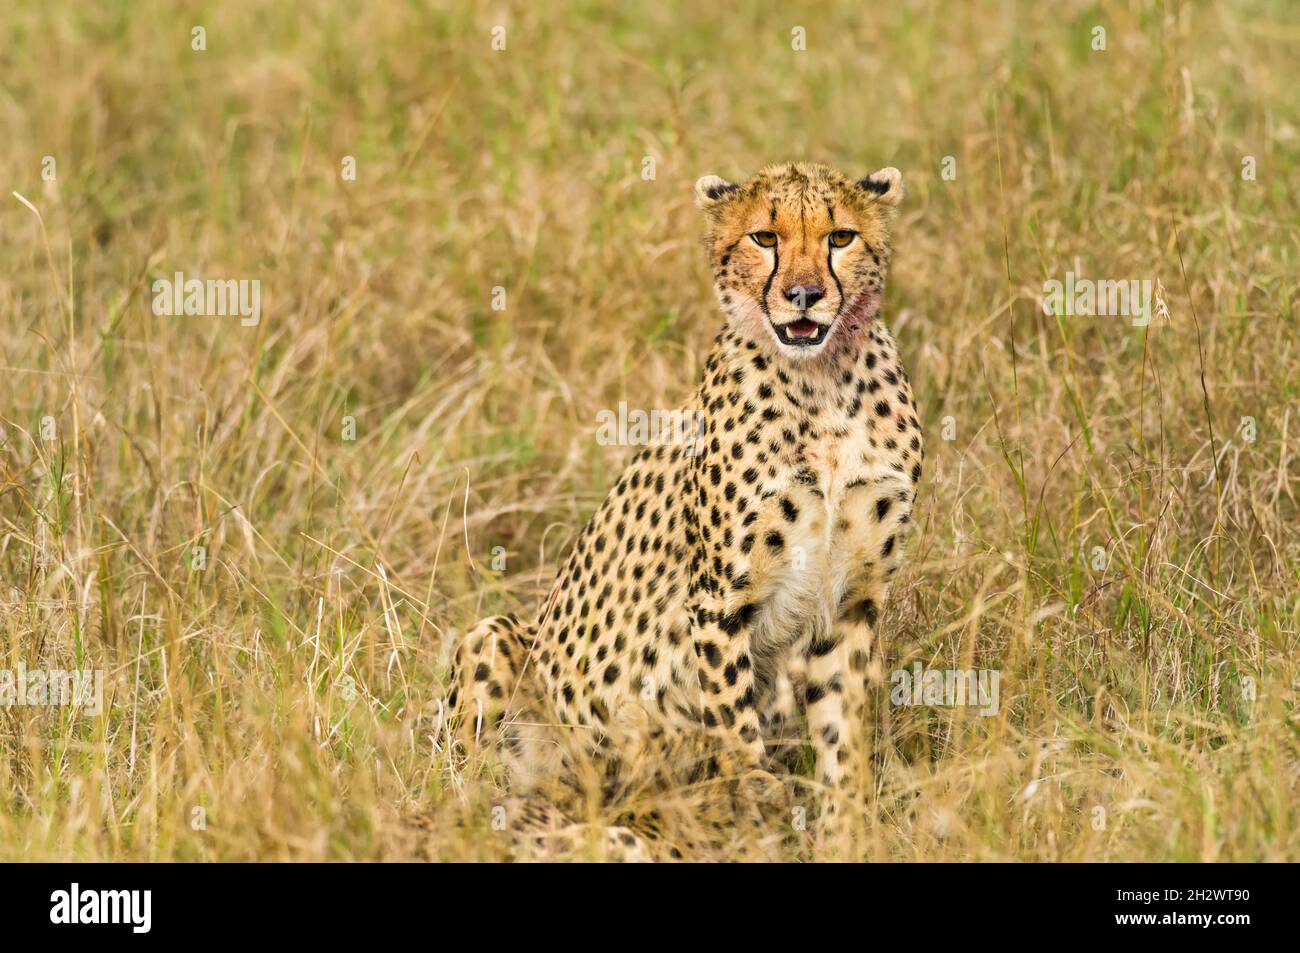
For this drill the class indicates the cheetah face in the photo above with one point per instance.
(799, 252)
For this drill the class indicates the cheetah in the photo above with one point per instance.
(734, 578)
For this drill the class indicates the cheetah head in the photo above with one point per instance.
(799, 252)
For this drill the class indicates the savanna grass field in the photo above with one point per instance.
(268, 537)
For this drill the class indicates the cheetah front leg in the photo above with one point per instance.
(728, 709)
(844, 663)
(839, 682)
(729, 699)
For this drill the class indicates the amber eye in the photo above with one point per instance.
(764, 239)
(842, 237)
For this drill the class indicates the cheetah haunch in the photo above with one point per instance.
(723, 585)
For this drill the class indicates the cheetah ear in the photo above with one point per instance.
(710, 188)
(885, 186)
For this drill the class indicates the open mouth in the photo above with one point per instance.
(801, 333)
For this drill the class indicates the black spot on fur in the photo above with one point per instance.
(733, 622)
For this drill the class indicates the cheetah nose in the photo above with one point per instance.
(804, 296)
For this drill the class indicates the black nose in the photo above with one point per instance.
(804, 296)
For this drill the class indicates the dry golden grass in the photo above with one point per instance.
(288, 688)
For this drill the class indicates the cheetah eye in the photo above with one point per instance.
(842, 237)
(764, 239)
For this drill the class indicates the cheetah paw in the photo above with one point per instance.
(765, 790)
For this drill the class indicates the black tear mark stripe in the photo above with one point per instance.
(776, 263)
(830, 266)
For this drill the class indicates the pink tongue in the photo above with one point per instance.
(803, 328)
